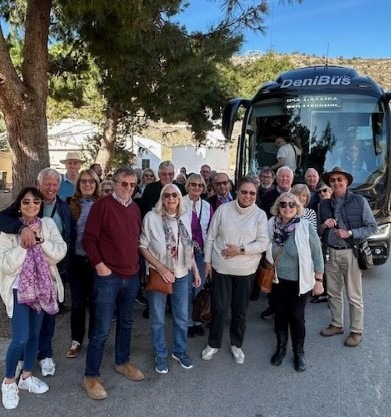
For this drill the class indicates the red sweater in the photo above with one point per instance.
(111, 236)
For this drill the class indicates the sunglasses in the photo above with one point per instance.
(168, 195)
(323, 190)
(84, 181)
(148, 176)
(125, 184)
(284, 204)
(166, 174)
(221, 183)
(196, 184)
(339, 179)
(26, 202)
(245, 192)
(107, 190)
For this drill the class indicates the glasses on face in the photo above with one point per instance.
(335, 179)
(166, 174)
(125, 184)
(107, 190)
(196, 184)
(168, 195)
(245, 192)
(323, 190)
(85, 181)
(221, 183)
(205, 171)
(36, 202)
(290, 204)
(148, 175)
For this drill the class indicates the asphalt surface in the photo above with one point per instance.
(339, 381)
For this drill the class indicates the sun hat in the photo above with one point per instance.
(337, 170)
(73, 155)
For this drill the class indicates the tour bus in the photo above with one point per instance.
(341, 118)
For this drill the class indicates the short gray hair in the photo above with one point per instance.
(195, 177)
(123, 171)
(159, 207)
(48, 172)
(166, 164)
(298, 189)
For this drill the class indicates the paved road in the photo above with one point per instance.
(339, 381)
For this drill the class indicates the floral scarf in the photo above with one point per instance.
(172, 242)
(36, 288)
(283, 231)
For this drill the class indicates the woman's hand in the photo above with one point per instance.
(318, 288)
(196, 281)
(166, 274)
(230, 251)
(208, 270)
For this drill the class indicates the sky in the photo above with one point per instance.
(331, 28)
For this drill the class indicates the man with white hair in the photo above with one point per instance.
(311, 178)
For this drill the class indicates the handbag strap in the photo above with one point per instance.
(278, 255)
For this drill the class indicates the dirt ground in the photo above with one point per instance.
(5, 201)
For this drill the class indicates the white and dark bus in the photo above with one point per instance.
(342, 118)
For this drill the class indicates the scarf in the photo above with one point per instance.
(281, 231)
(36, 288)
(172, 242)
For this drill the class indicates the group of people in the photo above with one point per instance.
(99, 237)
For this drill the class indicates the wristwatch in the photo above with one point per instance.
(242, 251)
(350, 233)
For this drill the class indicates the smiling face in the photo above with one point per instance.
(148, 177)
(166, 175)
(124, 186)
(170, 199)
(195, 189)
(221, 184)
(86, 185)
(72, 166)
(311, 178)
(49, 187)
(284, 179)
(339, 184)
(247, 194)
(30, 206)
(287, 209)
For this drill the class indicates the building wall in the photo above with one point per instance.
(6, 166)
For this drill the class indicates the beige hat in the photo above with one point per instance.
(76, 156)
(337, 170)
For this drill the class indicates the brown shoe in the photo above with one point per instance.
(74, 350)
(331, 331)
(353, 340)
(130, 371)
(94, 388)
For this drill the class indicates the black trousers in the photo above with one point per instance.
(229, 291)
(289, 310)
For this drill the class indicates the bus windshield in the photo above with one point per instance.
(346, 130)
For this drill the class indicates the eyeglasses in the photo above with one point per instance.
(148, 176)
(196, 184)
(85, 181)
(245, 192)
(339, 179)
(323, 190)
(107, 190)
(125, 184)
(36, 202)
(284, 204)
(166, 174)
(168, 195)
(221, 183)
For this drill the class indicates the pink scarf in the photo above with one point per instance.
(36, 287)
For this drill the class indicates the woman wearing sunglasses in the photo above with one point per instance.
(200, 213)
(82, 273)
(167, 246)
(29, 286)
(106, 188)
(147, 177)
(299, 270)
(236, 238)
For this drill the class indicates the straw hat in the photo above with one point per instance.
(337, 170)
(74, 156)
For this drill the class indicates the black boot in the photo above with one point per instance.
(279, 355)
(299, 359)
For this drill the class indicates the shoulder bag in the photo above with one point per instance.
(156, 283)
(266, 272)
(202, 311)
(364, 255)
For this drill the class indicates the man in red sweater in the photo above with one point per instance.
(111, 242)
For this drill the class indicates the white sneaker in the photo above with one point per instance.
(208, 352)
(48, 367)
(10, 397)
(237, 354)
(33, 384)
(19, 369)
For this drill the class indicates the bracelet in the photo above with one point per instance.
(319, 279)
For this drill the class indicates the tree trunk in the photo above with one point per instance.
(106, 150)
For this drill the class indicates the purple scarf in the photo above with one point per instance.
(36, 287)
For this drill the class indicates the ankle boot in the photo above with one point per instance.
(299, 359)
(279, 355)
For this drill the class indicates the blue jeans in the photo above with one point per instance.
(45, 346)
(110, 293)
(199, 257)
(26, 325)
(157, 312)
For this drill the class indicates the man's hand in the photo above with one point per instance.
(102, 270)
(27, 238)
